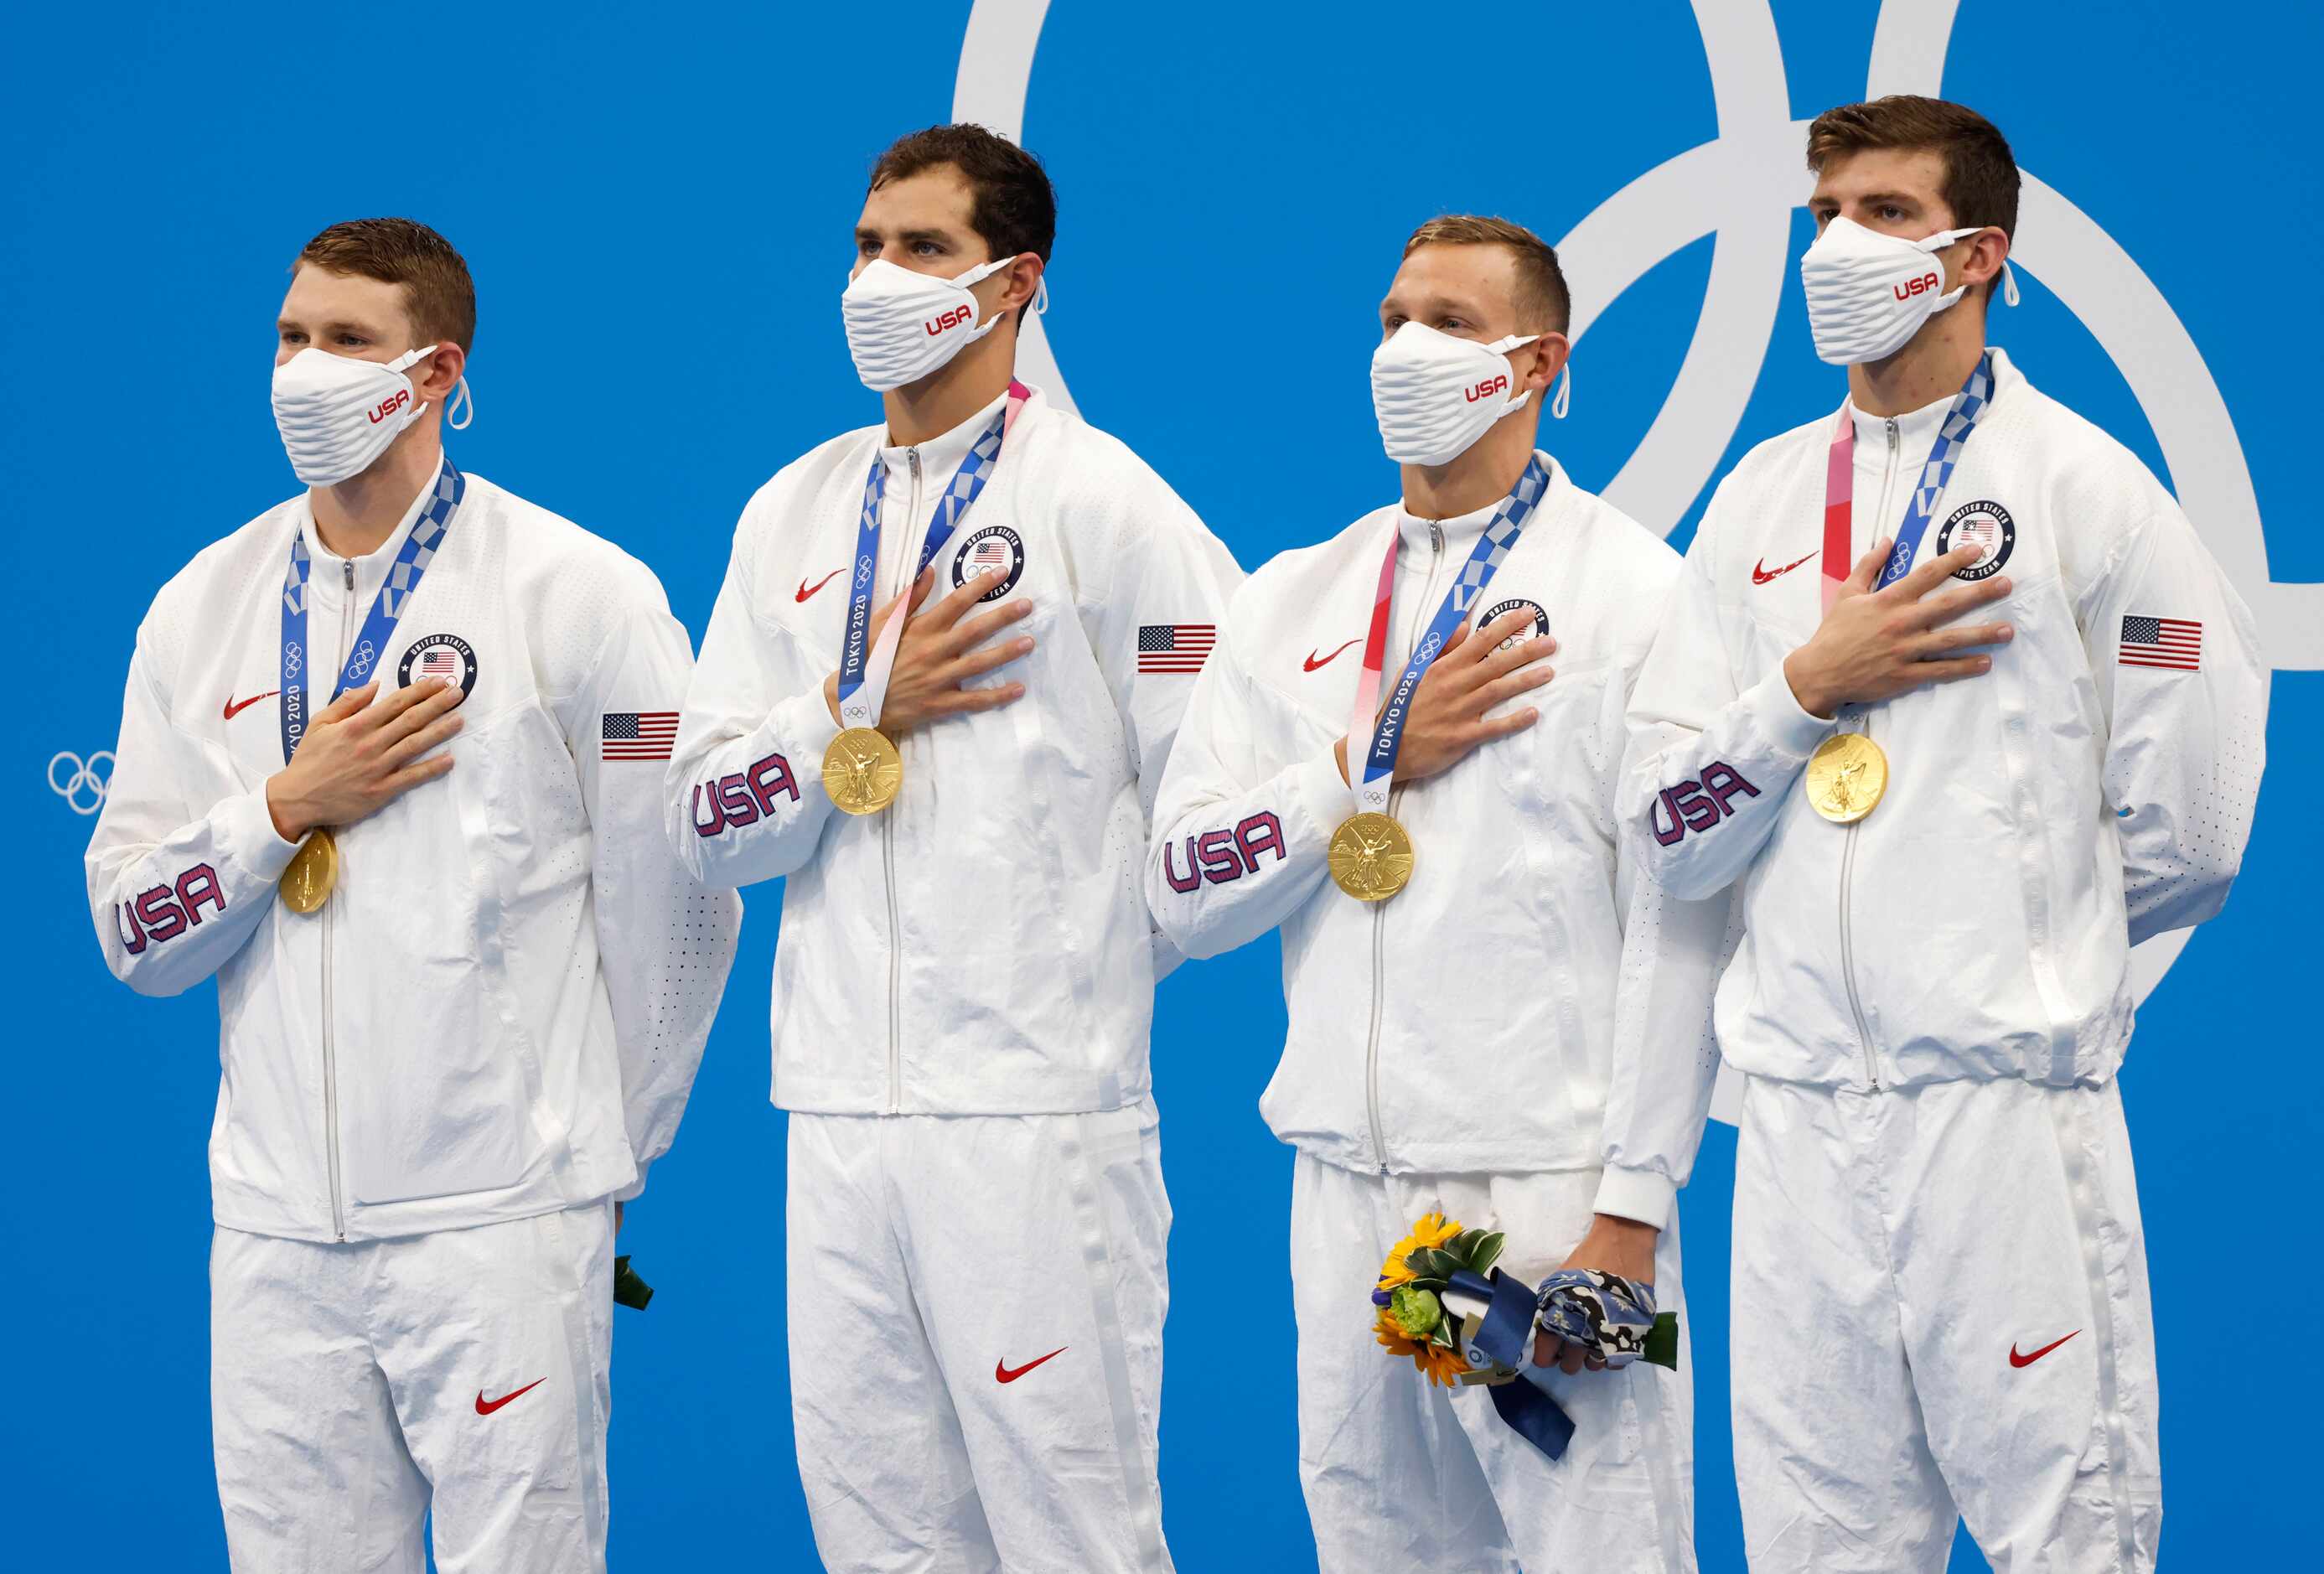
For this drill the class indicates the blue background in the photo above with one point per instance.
(657, 203)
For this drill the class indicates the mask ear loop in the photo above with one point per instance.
(461, 398)
(1563, 401)
(2009, 284)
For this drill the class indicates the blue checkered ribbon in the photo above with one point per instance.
(403, 576)
(1961, 422)
(952, 504)
(1493, 548)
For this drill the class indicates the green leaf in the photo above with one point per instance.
(1434, 1263)
(1465, 1245)
(1417, 1310)
(1662, 1341)
(1489, 1252)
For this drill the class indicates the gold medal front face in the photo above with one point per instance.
(1371, 857)
(1847, 776)
(305, 885)
(861, 771)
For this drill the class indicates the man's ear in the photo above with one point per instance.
(437, 375)
(1020, 282)
(1554, 350)
(1980, 257)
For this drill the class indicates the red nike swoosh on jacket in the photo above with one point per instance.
(1001, 1374)
(1313, 663)
(234, 707)
(2017, 1361)
(1762, 575)
(806, 590)
(486, 1407)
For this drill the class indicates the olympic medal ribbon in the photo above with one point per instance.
(865, 666)
(403, 576)
(1968, 407)
(1370, 855)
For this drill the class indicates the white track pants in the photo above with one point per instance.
(355, 1387)
(975, 1318)
(1941, 1300)
(1401, 1475)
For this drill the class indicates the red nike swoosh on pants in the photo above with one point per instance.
(2017, 1361)
(486, 1407)
(1001, 1374)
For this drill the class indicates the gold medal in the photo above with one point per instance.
(1371, 857)
(861, 771)
(314, 869)
(1847, 776)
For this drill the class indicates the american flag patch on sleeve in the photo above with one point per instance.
(637, 734)
(1175, 647)
(2175, 644)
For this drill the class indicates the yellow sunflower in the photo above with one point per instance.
(1432, 1229)
(1439, 1364)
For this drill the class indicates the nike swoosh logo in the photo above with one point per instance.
(2017, 1361)
(806, 590)
(486, 1406)
(234, 707)
(1762, 575)
(1001, 1374)
(1313, 663)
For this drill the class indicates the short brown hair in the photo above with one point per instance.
(1981, 184)
(1542, 295)
(1013, 207)
(438, 296)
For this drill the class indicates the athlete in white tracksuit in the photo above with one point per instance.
(1940, 1297)
(963, 982)
(1468, 1045)
(436, 1086)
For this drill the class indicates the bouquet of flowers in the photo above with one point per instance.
(1426, 1314)
(1412, 1320)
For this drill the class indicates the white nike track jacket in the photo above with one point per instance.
(980, 947)
(498, 1011)
(2094, 789)
(1529, 1001)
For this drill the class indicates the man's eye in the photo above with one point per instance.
(927, 248)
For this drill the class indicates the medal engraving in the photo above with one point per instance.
(305, 885)
(1847, 776)
(861, 771)
(1371, 857)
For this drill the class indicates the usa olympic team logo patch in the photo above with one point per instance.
(444, 656)
(1985, 525)
(996, 548)
(1540, 619)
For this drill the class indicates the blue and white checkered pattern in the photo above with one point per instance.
(1960, 421)
(1501, 534)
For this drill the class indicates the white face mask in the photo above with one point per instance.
(338, 414)
(1869, 293)
(1436, 394)
(901, 326)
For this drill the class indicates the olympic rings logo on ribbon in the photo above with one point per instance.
(360, 662)
(83, 781)
(294, 660)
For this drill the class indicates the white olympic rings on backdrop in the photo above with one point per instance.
(83, 781)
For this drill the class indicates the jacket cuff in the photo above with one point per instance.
(1322, 795)
(248, 829)
(629, 1193)
(803, 729)
(1780, 718)
(1640, 1194)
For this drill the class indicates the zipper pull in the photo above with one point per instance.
(347, 567)
(912, 462)
(1435, 537)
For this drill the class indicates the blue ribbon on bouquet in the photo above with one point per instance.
(1504, 1338)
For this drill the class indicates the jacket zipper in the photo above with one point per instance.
(1848, 851)
(330, 1050)
(1379, 909)
(888, 841)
